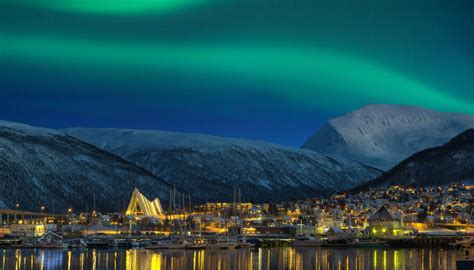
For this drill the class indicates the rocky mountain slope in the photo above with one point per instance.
(44, 167)
(454, 161)
(210, 166)
(383, 135)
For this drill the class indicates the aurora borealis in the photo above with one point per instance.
(269, 70)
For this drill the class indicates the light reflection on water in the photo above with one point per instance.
(261, 259)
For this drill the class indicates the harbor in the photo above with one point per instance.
(236, 234)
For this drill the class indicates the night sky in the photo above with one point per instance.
(266, 70)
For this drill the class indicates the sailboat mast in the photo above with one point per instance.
(93, 198)
(174, 199)
(184, 204)
(170, 199)
(189, 201)
(233, 201)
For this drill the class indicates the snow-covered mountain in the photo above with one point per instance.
(209, 166)
(44, 167)
(452, 162)
(383, 135)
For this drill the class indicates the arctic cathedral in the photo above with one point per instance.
(141, 207)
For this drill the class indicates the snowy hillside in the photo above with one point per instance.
(43, 167)
(210, 166)
(452, 162)
(383, 135)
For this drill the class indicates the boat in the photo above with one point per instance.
(222, 243)
(23, 244)
(339, 244)
(367, 243)
(167, 245)
(127, 243)
(465, 260)
(171, 243)
(76, 243)
(243, 243)
(8, 242)
(52, 245)
(51, 240)
(196, 244)
(96, 243)
(144, 242)
(99, 242)
(307, 241)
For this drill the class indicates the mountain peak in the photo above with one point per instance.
(381, 135)
(467, 135)
(385, 107)
(27, 129)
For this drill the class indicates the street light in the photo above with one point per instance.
(17, 206)
(69, 210)
(42, 209)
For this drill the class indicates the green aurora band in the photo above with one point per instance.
(306, 72)
(113, 7)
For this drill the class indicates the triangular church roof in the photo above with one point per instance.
(382, 214)
(139, 205)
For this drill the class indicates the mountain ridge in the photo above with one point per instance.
(210, 166)
(44, 167)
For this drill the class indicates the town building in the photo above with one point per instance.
(382, 223)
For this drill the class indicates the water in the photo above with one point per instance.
(261, 259)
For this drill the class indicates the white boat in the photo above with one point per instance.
(307, 241)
